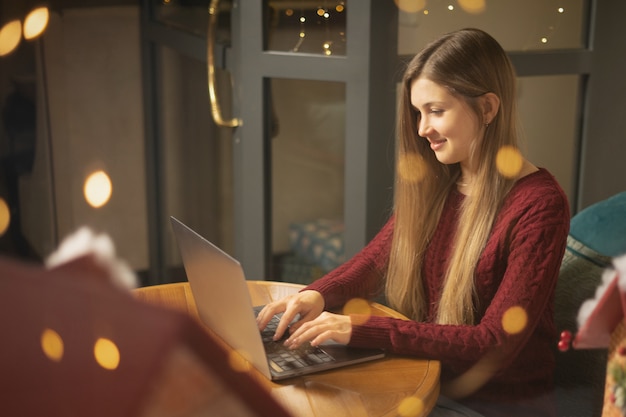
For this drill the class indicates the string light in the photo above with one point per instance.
(302, 33)
(323, 16)
(327, 50)
(97, 189)
(5, 216)
(36, 22)
(326, 46)
(10, 37)
(552, 28)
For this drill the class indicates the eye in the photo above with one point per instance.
(436, 111)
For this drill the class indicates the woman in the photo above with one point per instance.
(472, 251)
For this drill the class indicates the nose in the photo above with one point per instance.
(423, 128)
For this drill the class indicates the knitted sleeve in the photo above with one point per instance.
(528, 247)
(361, 276)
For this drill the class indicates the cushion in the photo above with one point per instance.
(602, 226)
(319, 242)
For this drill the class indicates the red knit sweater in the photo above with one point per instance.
(518, 268)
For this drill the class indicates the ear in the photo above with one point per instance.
(490, 105)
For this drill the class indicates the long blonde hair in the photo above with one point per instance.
(469, 63)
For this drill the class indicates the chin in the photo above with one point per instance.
(446, 161)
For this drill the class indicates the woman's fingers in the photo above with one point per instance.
(325, 327)
(307, 304)
(290, 313)
(268, 311)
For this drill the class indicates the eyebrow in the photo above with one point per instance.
(430, 104)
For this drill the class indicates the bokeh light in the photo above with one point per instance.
(410, 6)
(10, 36)
(360, 307)
(106, 353)
(52, 345)
(514, 320)
(5, 216)
(473, 6)
(411, 407)
(98, 189)
(475, 377)
(239, 360)
(36, 22)
(509, 161)
(411, 167)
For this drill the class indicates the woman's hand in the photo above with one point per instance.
(308, 304)
(325, 327)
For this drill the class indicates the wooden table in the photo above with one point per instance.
(388, 387)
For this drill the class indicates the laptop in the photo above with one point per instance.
(221, 294)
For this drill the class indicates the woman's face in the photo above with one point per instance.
(447, 122)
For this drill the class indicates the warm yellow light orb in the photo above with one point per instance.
(411, 407)
(360, 307)
(509, 161)
(411, 168)
(410, 6)
(52, 345)
(107, 354)
(10, 36)
(5, 216)
(473, 6)
(98, 189)
(514, 320)
(36, 22)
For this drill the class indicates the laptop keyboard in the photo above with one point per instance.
(288, 360)
(283, 359)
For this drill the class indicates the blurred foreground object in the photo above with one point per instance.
(100, 246)
(602, 325)
(74, 344)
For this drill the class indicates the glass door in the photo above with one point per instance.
(314, 155)
(273, 190)
(307, 144)
(190, 157)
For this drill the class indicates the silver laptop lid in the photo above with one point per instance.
(221, 293)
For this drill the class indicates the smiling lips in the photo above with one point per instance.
(435, 145)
